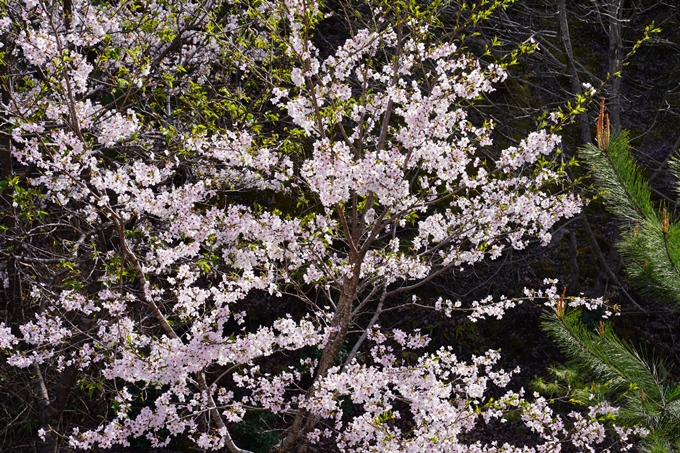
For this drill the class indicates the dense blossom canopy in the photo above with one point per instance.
(186, 157)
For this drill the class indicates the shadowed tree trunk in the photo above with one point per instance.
(563, 33)
(50, 410)
(613, 10)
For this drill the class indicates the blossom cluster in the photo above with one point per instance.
(374, 182)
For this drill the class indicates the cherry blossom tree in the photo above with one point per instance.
(175, 160)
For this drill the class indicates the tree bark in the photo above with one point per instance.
(563, 32)
(304, 422)
(50, 409)
(614, 12)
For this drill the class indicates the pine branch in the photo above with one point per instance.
(626, 191)
(651, 245)
(651, 256)
(605, 355)
(640, 385)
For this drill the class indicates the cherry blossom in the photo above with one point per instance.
(371, 179)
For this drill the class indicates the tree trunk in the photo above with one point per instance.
(49, 410)
(614, 12)
(304, 422)
(563, 32)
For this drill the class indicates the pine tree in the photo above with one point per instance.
(638, 384)
(651, 240)
(651, 251)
